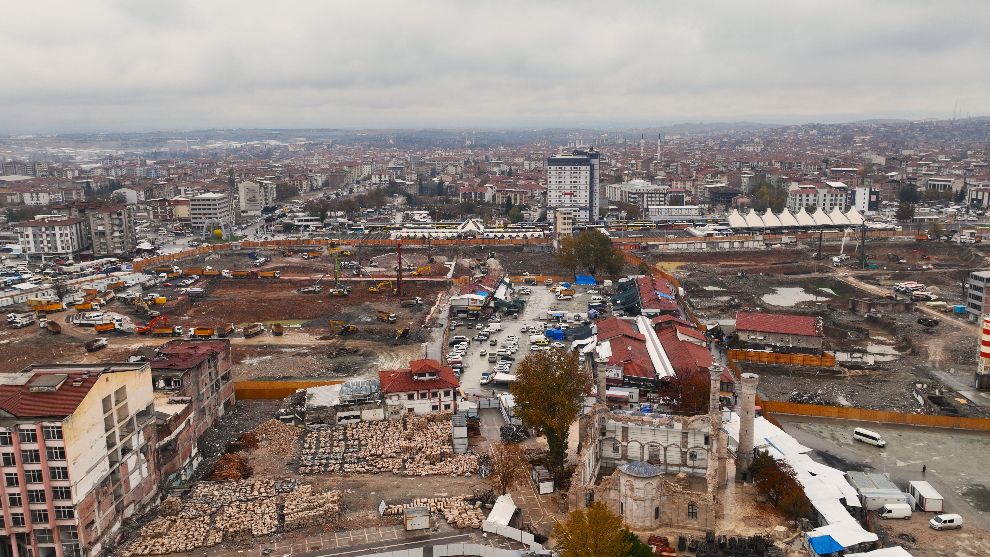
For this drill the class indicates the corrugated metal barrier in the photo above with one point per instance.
(275, 390)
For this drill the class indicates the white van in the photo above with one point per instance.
(869, 437)
(895, 510)
(945, 522)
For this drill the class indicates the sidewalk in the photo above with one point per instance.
(352, 542)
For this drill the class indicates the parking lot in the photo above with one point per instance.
(538, 303)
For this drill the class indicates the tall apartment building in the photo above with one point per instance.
(976, 293)
(573, 182)
(254, 196)
(51, 237)
(76, 446)
(111, 230)
(193, 389)
(209, 211)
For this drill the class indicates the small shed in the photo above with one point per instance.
(416, 518)
(876, 490)
(542, 479)
(925, 497)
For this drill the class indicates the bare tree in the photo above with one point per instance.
(509, 466)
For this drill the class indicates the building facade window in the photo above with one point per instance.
(14, 500)
(692, 511)
(64, 512)
(60, 493)
(36, 496)
(31, 456)
(39, 515)
(55, 453)
(44, 536)
(17, 520)
(11, 479)
(8, 459)
(27, 435)
(58, 473)
(52, 432)
(33, 477)
(6, 438)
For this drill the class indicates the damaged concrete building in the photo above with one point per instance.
(654, 470)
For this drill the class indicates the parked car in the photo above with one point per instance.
(946, 521)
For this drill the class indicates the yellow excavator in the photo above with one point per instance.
(341, 328)
(377, 288)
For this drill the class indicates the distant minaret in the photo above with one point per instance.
(642, 145)
(658, 145)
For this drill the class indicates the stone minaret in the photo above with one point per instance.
(747, 413)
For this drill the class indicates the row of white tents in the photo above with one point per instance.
(801, 219)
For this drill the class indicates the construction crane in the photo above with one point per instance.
(315, 288)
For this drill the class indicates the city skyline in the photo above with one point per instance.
(136, 66)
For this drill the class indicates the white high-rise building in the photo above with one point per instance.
(211, 210)
(573, 183)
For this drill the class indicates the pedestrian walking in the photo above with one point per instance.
(924, 467)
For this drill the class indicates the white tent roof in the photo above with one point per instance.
(847, 533)
(803, 218)
(787, 218)
(753, 220)
(736, 220)
(502, 510)
(770, 220)
(837, 217)
(820, 218)
(854, 217)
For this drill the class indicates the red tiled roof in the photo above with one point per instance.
(663, 319)
(626, 349)
(19, 401)
(403, 380)
(689, 331)
(613, 326)
(801, 325)
(185, 354)
(686, 357)
(632, 369)
(649, 297)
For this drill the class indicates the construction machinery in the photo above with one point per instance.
(45, 306)
(378, 287)
(421, 270)
(53, 328)
(277, 329)
(341, 328)
(253, 330)
(339, 291)
(402, 332)
(386, 316)
(203, 332)
(96, 344)
(410, 302)
(160, 321)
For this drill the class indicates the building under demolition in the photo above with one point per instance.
(655, 470)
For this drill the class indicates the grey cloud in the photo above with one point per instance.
(128, 65)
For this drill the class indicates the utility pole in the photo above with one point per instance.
(862, 247)
(398, 272)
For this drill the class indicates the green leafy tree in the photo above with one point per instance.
(515, 215)
(285, 191)
(908, 193)
(769, 196)
(592, 532)
(638, 549)
(548, 390)
(905, 212)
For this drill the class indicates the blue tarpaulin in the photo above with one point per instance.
(584, 280)
(555, 334)
(824, 545)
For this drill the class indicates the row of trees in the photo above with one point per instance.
(593, 252)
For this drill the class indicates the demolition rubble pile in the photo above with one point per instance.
(456, 511)
(414, 446)
(233, 511)
(277, 438)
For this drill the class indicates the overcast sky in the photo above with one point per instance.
(133, 65)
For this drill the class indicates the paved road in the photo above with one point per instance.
(427, 541)
(955, 459)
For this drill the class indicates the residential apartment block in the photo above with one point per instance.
(827, 196)
(573, 183)
(51, 237)
(255, 195)
(192, 390)
(76, 443)
(111, 230)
